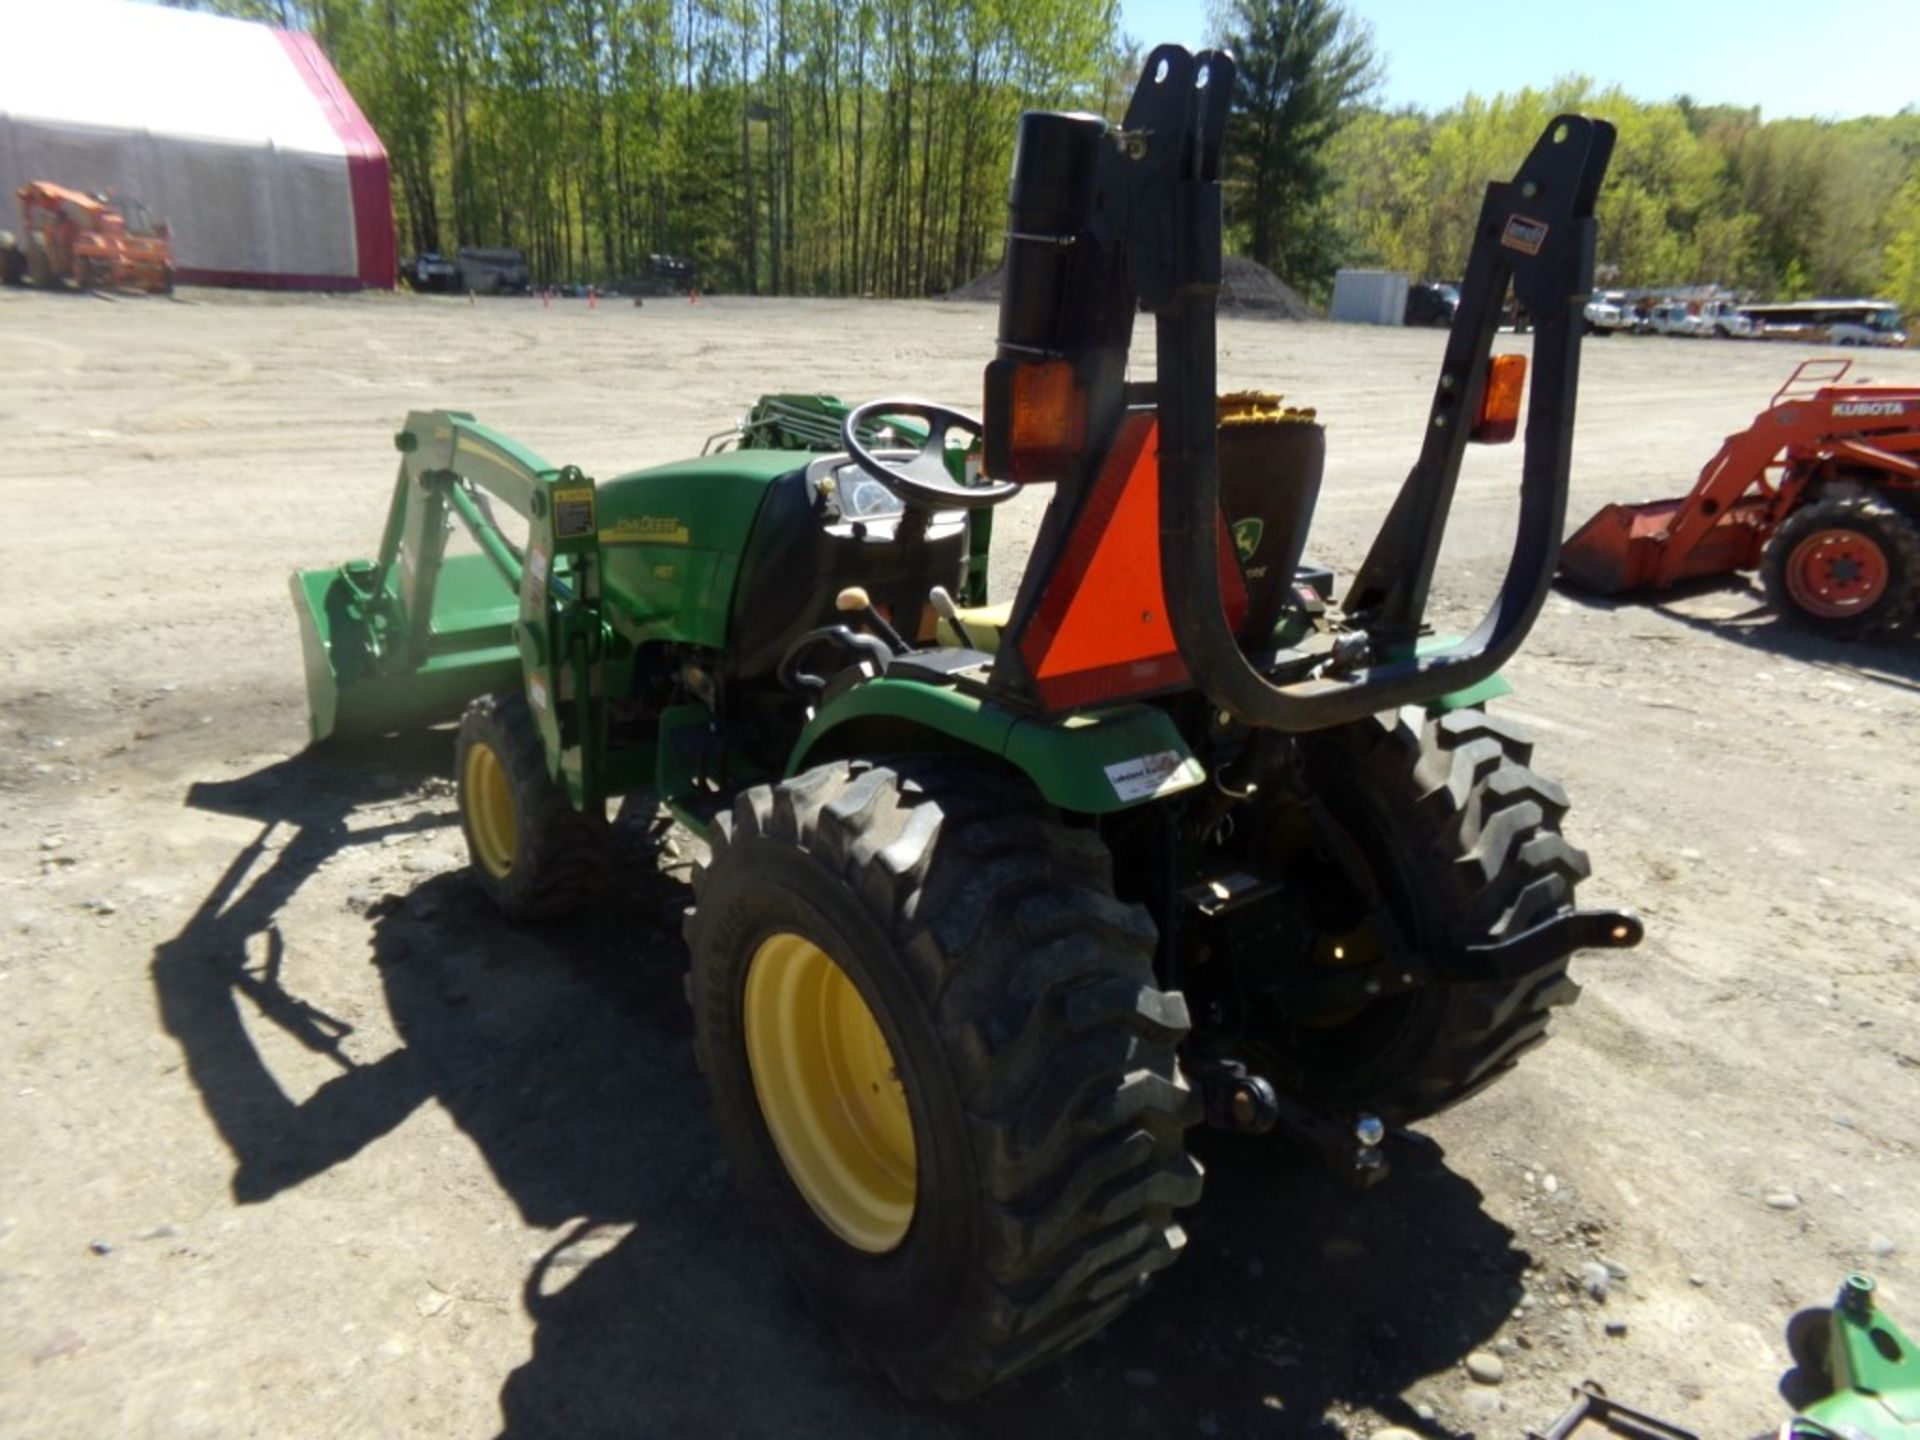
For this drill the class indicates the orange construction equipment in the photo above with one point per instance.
(92, 241)
(1821, 494)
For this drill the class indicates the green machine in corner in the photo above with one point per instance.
(1001, 900)
(1857, 1376)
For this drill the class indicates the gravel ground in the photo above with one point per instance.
(298, 1139)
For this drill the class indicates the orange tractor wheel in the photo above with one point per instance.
(1847, 564)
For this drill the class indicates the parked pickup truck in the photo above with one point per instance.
(1672, 317)
(1607, 312)
(1726, 320)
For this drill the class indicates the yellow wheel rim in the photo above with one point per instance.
(489, 810)
(830, 1092)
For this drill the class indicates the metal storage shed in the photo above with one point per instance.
(240, 136)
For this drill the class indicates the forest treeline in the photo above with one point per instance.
(863, 146)
(1696, 194)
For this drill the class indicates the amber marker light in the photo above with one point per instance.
(1049, 422)
(1499, 417)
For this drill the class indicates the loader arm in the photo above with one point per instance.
(411, 636)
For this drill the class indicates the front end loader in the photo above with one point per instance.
(1002, 900)
(1820, 494)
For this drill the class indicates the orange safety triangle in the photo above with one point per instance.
(1101, 631)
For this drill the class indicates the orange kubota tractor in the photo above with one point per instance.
(91, 241)
(1821, 494)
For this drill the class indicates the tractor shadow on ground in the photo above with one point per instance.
(495, 1019)
(1893, 661)
(1297, 1299)
(565, 1054)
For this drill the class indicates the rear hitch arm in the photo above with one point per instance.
(1333, 992)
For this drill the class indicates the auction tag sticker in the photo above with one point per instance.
(1146, 776)
(1524, 234)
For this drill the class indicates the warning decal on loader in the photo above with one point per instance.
(573, 512)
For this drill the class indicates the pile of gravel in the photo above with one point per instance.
(985, 287)
(1247, 288)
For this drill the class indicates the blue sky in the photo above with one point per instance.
(1833, 59)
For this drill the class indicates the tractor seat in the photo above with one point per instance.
(984, 623)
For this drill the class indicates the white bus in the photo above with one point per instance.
(1831, 322)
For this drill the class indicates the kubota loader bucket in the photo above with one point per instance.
(1633, 547)
(359, 681)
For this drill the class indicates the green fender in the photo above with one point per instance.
(1093, 762)
(1492, 688)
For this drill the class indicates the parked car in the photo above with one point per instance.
(430, 270)
(1432, 303)
(497, 271)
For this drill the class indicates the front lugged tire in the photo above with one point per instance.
(1022, 1030)
(532, 853)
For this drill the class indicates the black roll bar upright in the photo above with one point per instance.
(1537, 230)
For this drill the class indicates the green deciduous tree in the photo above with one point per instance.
(862, 146)
(787, 146)
(1695, 195)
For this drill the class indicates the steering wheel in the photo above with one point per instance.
(923, 480)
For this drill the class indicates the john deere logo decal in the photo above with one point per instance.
(1247, 535)
(646, 530)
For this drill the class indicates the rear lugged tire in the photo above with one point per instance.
(1846, 564)
(1463, 839)
(532, 853)
(1017, 1000)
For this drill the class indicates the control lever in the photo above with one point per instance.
(854, 600)
(944, 607)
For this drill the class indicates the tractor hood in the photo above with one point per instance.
(671, 538)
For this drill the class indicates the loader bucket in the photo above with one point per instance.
(1628, 547)
(358, 683)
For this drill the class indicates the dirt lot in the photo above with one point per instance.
(296, 1138)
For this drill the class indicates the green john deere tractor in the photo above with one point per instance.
(1002, 901)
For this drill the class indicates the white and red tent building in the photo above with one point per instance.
(241, 137)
